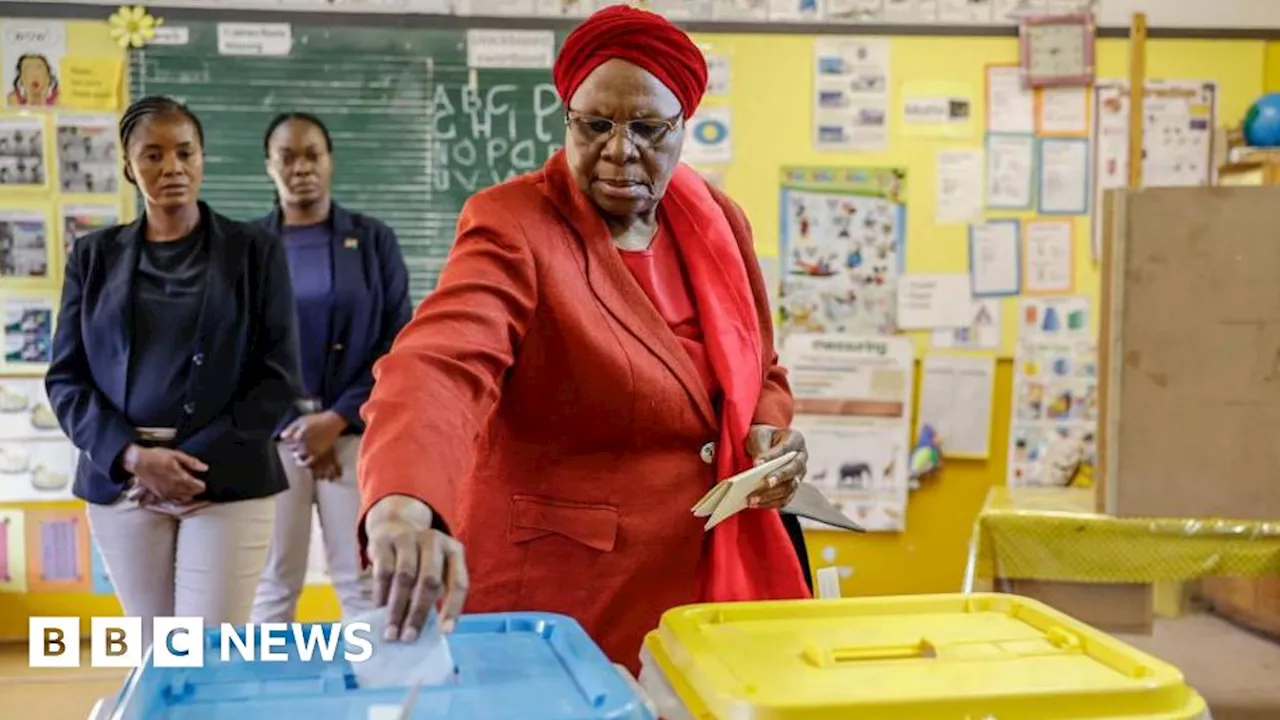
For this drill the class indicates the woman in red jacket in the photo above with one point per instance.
(598, 353)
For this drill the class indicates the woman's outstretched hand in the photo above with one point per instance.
(766, 442)
(415, 567)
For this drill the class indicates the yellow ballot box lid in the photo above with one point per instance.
(927, 657)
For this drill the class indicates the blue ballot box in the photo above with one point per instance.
(526, 666)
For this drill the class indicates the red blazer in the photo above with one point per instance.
(541, 406)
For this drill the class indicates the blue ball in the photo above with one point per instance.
(1262, 123)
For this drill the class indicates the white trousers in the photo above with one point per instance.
(337, 503)
(206, 563)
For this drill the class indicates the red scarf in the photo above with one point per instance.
(749, 556)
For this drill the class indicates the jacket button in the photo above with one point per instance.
(708, 453)
(189, 408)
(198, 358)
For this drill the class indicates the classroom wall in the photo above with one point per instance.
(771, 101)
(1271, 67)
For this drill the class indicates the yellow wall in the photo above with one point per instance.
(1272, 67)
(771, 98)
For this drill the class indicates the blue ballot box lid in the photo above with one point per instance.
(530, 666)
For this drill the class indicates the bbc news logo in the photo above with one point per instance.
(180, 642)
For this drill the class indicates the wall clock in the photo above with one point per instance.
(1057, 50)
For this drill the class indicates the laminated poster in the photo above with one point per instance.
(88, 154)
(58, 551)
(853, 404)
(1055, 411)
(31, 53)
(841, 249)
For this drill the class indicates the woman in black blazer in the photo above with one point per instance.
(175, 356)
(351, 289)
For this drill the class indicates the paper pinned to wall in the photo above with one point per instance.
(1011, 108)
(853, 404)
(709, 140)
(960, 173)
(90, 83)
(926, 302)
(1048, 257)
(31, 55)
(13, 551)
(510, 49)
(995, 258)
(956, 395)
(58, 551)
(1064, 176)
(851, 93)
(982, 332)
(1010, 176)
(933, 109)
(719, 75)
(1063, 111)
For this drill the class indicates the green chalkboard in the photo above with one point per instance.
(415, 131)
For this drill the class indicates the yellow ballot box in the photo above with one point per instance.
(927, 657)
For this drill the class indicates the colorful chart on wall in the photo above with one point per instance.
(1181, 116)
(28, 318)
(853, 405)
(58, 551)
(13, 553)
(841, 247)
(36, 470)
(1055, 412)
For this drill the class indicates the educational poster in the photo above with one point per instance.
(981, 333)
(80, 220)
(794, 10)
(13, 552)
(36, 470)
(740, 10)
(22, 153)
(719, 75)
(1054, 319)
(25, 411)
(851, 93)
(1064, 176)
(911, 12)
(841, 247)
(99, 578)
(564, 8)
(853, 405)
(28, 332)
(1011, 108)
(88, 159)
(58, 551)
(964, 12)
(940, 110)
(24, 245)
(30, 61)
(1048, 256)
(1177, 138)
(709, 139)
(1054, 416)
(956, 394)
(1011, 170)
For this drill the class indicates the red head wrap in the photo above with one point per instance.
(641, 38)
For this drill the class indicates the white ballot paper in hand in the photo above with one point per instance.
(426, 661)
(729, 497)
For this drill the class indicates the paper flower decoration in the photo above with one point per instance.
(133, 26)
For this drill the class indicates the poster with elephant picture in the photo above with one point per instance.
(853, 405)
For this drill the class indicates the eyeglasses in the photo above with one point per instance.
(647, 132)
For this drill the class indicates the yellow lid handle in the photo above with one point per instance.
(833, 657)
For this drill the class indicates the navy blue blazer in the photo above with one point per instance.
(245, 367)
(371, 305)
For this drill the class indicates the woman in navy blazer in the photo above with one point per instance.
(351, 290)
(174, 358)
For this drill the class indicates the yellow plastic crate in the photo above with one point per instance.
(928, 657)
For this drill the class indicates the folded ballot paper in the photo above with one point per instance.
(426, 661)
(729, 497)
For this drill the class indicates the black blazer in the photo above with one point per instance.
(371, 289)
(245, 373)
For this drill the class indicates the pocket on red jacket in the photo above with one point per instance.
(592, 525)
